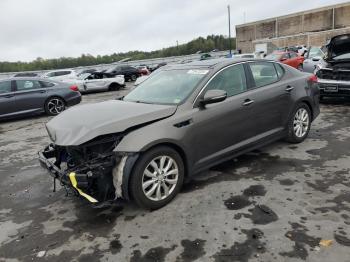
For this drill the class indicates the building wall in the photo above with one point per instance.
(312, 27)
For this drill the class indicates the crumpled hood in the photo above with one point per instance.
(82, 123)
(337, 46)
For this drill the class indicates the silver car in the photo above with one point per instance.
(313, 58)
(27, 96)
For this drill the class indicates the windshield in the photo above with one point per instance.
(274, 56)
(167, 87)
(110, 70)
(314, 52)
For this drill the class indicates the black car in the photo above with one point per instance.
(334, 72)
(129, 72)
(27, 96)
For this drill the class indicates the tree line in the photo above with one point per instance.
(207, 44)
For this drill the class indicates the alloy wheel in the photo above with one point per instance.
(301, 122)
(55, 106)
(160, 177)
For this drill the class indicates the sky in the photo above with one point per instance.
(56, 28)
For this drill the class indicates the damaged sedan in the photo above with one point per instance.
(182, 120)
(334, 71)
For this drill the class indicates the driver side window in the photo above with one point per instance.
(231, 79)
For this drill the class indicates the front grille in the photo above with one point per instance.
(337, 74)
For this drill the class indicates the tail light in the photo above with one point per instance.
(74, 88)
(313, 79)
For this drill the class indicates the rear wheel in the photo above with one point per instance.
(299, 124)
(113, 87)
(133, 77)
(54, 106)
(157, 178)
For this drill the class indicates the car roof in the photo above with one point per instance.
(211, 63)
(29, 78)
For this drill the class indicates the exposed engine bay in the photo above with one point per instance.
(92, 169)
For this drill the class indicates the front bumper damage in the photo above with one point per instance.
(102, 179)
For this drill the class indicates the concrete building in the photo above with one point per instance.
(312, 27)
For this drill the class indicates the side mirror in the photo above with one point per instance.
(316, 58)
(213, 96)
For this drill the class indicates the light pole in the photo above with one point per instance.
(229, 29)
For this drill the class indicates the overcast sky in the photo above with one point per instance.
(55, 28)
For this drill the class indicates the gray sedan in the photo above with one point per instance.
(183, 119)
(26, 96)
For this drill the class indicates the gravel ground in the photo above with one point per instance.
(279, 203)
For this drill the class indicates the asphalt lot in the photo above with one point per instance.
(274, 204)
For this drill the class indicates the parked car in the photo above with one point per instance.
(248, 55)
(334, 72)
(289, 58)
(26, 96)
(130, 73)
(27, 74)
(313, 57)
(60, 74)
(180, 121)
(143, 70)
(87, 71)
(98, 81)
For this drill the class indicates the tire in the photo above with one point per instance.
(113, 87)
(298, 129)
(54, 105)
(300, 67)
(133, 77)
(155, 181)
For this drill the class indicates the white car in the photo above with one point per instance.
(97, 82)
(60, 74)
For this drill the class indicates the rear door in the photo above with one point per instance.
(271, 94)
(7, 98)
(30, 95)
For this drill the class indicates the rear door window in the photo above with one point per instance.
(46, 84)
(264, 73)
(5, 87)
(23, 85)
(231, 79)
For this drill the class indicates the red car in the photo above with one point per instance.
(290, 58)
(143, 70)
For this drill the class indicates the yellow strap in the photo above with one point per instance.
(74, 182)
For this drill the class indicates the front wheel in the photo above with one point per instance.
(299, 124)
(133, 77)
(54, 106)
(157, 177)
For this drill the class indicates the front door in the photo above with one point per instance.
(219, 128)
(7, 98)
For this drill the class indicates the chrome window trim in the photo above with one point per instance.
(205, 86)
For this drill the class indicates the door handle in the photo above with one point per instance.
(247, 102)
(289, 88)
(8, 96)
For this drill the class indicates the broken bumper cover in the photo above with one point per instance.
(98, 183)
(70, 179)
